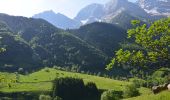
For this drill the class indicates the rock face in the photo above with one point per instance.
(168, 87)
(117, 5)
(156, 7)
(121, 12)
(90, 13)
(156, 89)
(109, 11)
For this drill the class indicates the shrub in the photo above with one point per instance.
(57, 98)
(69, 88)
(45, 97)
(91, 89)
(138, 82)
(109, 95)
(131, 91)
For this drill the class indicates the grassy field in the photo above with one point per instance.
(41, 81)
(161, 96)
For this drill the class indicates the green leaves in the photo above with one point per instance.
(135, 22)
(154, 41)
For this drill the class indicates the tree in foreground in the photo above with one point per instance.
(153, 52)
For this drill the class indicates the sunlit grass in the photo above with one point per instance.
(161, 96)
(41, 81)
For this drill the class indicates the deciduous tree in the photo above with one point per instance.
(154, 47)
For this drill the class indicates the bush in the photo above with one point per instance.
(45, 97)
(138, 82)
(109, 95)
(131, 91)
(69, 88)
(91, 89)
(74, 89)
(58, 98)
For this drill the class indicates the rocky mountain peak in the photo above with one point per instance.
(156, 7)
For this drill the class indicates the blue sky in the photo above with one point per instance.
(30, 7)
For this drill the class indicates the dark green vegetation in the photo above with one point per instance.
(111, 95)
(46, 46)
(89, 48)
(105, 37)
(16, 50)
(74, 89)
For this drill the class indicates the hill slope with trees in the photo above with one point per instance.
(51, 45)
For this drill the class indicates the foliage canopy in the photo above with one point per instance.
(154, 43)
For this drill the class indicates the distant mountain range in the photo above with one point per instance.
(59, 20)
(115, 12)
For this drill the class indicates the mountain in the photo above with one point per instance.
(115, 7)
(156, 7)
(50, 45)
(28, 28)
(58, 20)
(90, 13)
(115, 12)
(18, 53)
(106, 37)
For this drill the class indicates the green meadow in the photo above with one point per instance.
(42, 81)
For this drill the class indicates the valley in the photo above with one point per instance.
(116, 50)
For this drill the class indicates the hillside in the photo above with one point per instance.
(51, 45)
(105, 37)
(70, 51)
(40, 82)
(28, 28)
(16, 50)
(30, 82)
(162, 96)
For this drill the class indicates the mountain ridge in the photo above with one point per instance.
(51, 45)
(58, 20)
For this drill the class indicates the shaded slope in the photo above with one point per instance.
(18, 53)
(103, 36)
(54, 46)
